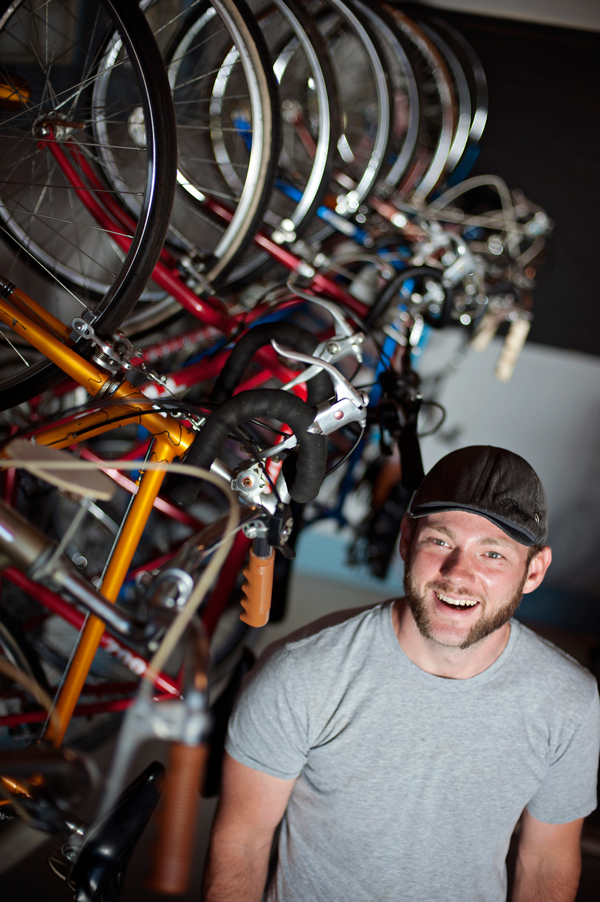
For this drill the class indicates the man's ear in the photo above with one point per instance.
(407, 528)
(537, 569)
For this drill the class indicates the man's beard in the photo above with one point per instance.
(484, 626)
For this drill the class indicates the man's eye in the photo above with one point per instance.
(438, 541)
(495, 555)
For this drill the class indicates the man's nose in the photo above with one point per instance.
(458, 565)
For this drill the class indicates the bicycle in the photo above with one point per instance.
(173, 438)
(89, 189)
(210, 311)
(93, 858)
(56, 49)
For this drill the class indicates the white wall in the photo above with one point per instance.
(570, 13)
(548, 413)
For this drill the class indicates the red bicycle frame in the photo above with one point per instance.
(111, 216)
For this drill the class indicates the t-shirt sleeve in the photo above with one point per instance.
(268, 728)
(569, 790)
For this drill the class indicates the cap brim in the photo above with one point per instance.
(521, 535)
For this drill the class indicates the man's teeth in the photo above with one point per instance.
(463, 602)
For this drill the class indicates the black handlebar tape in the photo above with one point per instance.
(264, 402)
(319, 387)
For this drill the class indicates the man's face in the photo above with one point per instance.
(464, 577)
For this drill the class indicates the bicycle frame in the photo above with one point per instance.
(210, 311)
(171, 438)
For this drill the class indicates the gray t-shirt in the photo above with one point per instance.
(409, 785)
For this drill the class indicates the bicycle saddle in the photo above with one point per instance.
(98, 873)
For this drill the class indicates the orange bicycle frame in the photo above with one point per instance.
(48, 335)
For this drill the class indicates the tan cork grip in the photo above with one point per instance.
(257, 589)
(511, 349)
(177, 818)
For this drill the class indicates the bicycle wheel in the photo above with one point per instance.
(462, 94)
(54, 638)
(406, 107)
(225, 95)
(438, 116)
(67, 256)
(40, 645)
(474, 71)
(310, 122)
(365, 100)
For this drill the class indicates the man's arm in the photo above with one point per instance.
(251, 805)
(548, 861)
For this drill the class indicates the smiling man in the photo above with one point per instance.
(400, 745)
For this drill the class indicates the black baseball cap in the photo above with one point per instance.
(491, 482)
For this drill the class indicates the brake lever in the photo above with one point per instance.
(343, 389)
(333, 349)
(338, 317)
(350, 405)
(345, 343)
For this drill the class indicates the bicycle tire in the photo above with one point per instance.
(365, 100)
(41, 214)
(220, 58)
(54, 642)
(28, 653)
(405, 93)
(438, 123)
(327, 114)
(46, 642)
(209, 47)
(462, 93)
(24, 642)
(474, 71)
(310, 123)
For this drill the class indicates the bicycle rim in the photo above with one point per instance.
(474, 71)
(365, 102)
(438, 117)
(405, 96)
(228, 131)
(41, 648)
(59, 252)
(462, 94)
(310, 122)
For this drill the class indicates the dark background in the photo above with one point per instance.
(543, 136)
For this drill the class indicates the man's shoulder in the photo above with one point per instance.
(545, 662)
(337, 622)
(332, 634)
